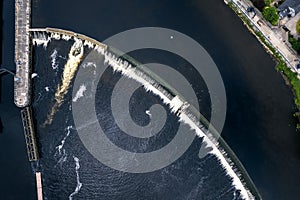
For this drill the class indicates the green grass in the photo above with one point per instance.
(293, 79)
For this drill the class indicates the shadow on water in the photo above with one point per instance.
(1, 126)
(1, 36)
(1, 32)
(0, 89)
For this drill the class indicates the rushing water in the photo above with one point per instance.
(56, 161)
(258, 127)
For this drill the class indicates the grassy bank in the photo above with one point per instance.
(293, 80)
(281, 65)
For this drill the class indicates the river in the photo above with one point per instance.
(259, 125)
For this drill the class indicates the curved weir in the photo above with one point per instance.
(187, 114)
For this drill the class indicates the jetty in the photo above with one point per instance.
(38, 177)
(22, 80)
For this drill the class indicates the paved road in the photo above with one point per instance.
(270, 33)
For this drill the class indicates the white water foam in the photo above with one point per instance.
(148, 113)
(220, 156)
(89, 64)
(89, 44)
(40, 39)
(70, 68)
(66, 37)
(43, 38)
(33, 75)
(79, 93)
(79, 184)
(63, 158)
(56, 36)
(62, 143)
(61, 152)
(178, 106)
(54, 56)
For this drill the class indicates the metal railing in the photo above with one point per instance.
(3, 71)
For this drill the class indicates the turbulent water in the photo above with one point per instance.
(190, 177)
(259, 108)
(70, 69)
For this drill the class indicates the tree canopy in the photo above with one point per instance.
(270, 14)
(268, 2)
(295, 43)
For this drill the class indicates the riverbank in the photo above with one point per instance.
(283, 65)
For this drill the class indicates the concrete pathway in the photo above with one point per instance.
(270, 33)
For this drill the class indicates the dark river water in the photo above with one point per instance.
(259, 126)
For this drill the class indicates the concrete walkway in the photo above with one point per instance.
(271, 34)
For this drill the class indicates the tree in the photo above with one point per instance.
(271, 15)
(259, 4)
(298, 127)
(295, 43)
(298, 27)
(268, 2)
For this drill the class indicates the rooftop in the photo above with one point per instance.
(294, 4)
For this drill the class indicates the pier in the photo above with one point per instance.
(39, 188)
(29, 134)
(22, 81)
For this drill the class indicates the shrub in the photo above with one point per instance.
(268, 2)
(295, 82)
(259, 4)
(271, 15)
(295, 43)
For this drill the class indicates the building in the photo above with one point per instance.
(289, 8)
